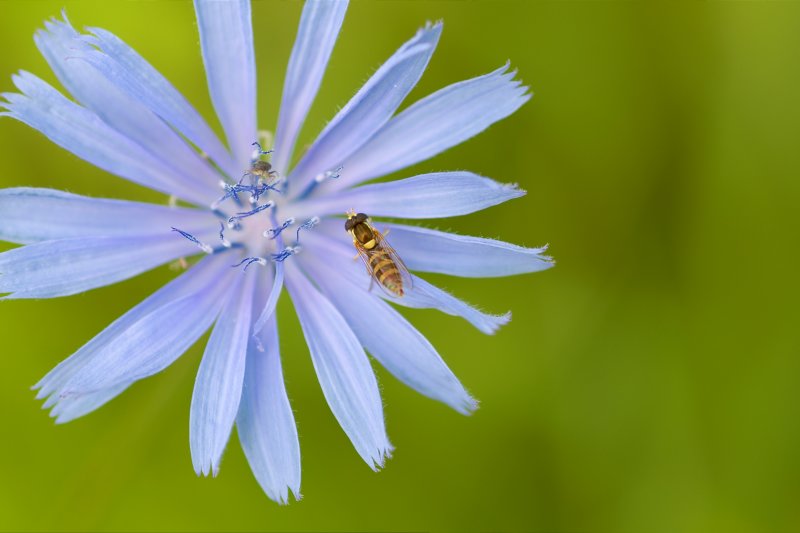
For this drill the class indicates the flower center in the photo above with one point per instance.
(248, 211)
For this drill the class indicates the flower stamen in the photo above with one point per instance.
(203, 246)
(308, 224)
(272, 233)
(280, 257)
(320, 178)
(250, 260)
(233, 221)
(225, 242)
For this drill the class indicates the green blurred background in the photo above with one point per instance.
(647, 383)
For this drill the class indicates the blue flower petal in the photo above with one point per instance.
(226, 39)
(121, 64)
(422, 295)
(83, 133)
(218, 387)
(434, 124)
(319, 28)
(368, 110)
(29, 215)
(61, 46)
(396, 344)
(265, 422)
(441, 194)
(196, 279)
(461, 255)
(272, 300)
(342, 368)
(147, 342)
(68, 409)
(58, 268)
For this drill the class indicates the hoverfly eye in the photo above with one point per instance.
(348, 224)
(361, 217)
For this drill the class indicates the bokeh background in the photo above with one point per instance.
(649, 382)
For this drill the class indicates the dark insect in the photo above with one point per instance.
(262, 169)
(382, 262)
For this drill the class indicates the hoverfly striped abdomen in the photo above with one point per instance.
(385, 270)
(383, 264)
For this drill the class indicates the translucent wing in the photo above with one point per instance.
(386, 252)
(405, 275)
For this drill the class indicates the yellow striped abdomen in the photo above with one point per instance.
(385, 271)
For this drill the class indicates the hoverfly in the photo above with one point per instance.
(382, 262)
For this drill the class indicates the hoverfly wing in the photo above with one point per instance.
(363, 254)
(405, 275)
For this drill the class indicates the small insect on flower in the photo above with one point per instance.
(382, 262)
(261, 169)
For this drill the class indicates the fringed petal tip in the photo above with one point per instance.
(381, 456)
(513, 189)
(282, 498)
(206, 469)
(547, 259)
(508, 74)
(467, 406)
(495, 322)
(437, 25)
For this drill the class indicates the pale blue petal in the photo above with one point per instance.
(423, 295)
(437, 195)
(272, 300)
(61, 46)
(319, 28)
(342, 368)
(148, 343)
(58, 268)
(68, 409)
(434, 124)
(461, 255)
(132, 73)
(396, 344)
(30, 215)
(339, 255)
(83, 133)
(226, 39)
(196, 279)
(218, 387)
(265, 422)
(368, 110)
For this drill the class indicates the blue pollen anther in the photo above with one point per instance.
(274, 232)
(257, 190)
(319, 178)
(308, 224)
(234, 220)
(250, 260)
(260, 150)
(330, 174)
(280, 257)
(285, 254)
(203, 246)
(231, 191)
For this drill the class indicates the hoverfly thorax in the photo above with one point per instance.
(361, 230)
